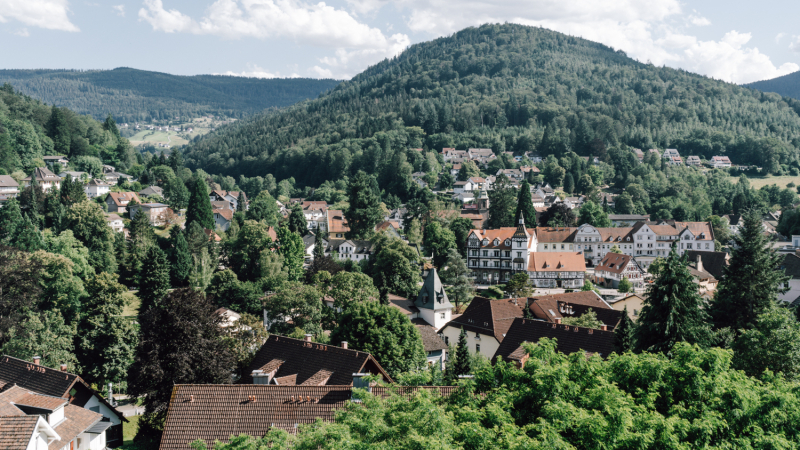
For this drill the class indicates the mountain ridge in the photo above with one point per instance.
(138, 95)
(786, 85)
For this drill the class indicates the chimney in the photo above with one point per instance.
(344, 345)
(699, 263)
(604, 327)
(37, 360)
(558, 320)
(308, 337)
(63, 367)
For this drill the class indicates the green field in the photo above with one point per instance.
(781, 181)
(129, 431)
(200, 127)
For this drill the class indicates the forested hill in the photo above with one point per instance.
(137, 95)
(502, 86)
(787, 85)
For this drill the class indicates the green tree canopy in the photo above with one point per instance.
(438, 241)
(524, 206)
(199, 209)
(365, 206)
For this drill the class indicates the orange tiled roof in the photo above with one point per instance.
(556, 262)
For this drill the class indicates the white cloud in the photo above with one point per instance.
(778, 37)
(253, 71)
(699, 21)
(47, 14)
(795, 44)
(22, 32)
(120, 9)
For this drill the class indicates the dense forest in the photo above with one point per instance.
(136, 95)
(787, 85)
(509, 88)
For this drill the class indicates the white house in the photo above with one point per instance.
(614, 267)
(557, 269)
(354, 250)
(115, 222)
(720, 162)
(96, 188)
(485, 323)
(50, 160)
(222, 218)
(8, 185)
(432, 302)
(670, 153)
(46, 179)
(448, 154)
(154, 211)
(791, 267)
(694, 161)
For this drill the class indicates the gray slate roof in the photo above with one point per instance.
(432, 295)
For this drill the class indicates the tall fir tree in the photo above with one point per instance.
(365, 206)
(10, 221)
(524, 206)
(199, 209)
(290, 245)
(175, 160)
(625, 333)
(569, 184)
(751, 283)
(319, 245)
(71, 191)
(181, 258)
(501, 204)
(154, 283)
(463, 362)
(28, 237)
(673, 310)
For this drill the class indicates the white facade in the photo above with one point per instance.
(484, 344)
(99, 189)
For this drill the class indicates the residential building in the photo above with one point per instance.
(627, 220)
(337, 224)
(676, 161)
(528, 169)
(569, 339)
(574, 202)
(448, 154)
(222, 205)
(109, 169)
(670, 153)
(535, 157)
(455, 170)
(694, 161)
(231, 196)
(706, 283)
(46, 179)
(494, 255)
(473, 184)
(543, 190)
(720, 162)
(595, 242)
(215, 412)
(654, 240)
(791, 268)
(538, 201)
(117, 202)
(608, 198)
(115, 178)
(655, 152)
(632, 302)
(310, 244)
(352, 249)
(432, 302)
(485, 322)
(222, 218)
(115, 222)
(418, 178)
(557, 269)
(388, 227)
(713, 262)
(9, 188)
(152, 191)
(79, 412)
(50, 160)
(639, 154)
(557, 307)
(555, 239)
(735, 221)
(96, 188)
(481, 156)
(75, 175)
(433, 345)
(512, 174)
(155, 212)
(314, 212)
(614, 267)
(284, 361)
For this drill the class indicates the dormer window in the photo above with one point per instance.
(496, 242)
(485, 241)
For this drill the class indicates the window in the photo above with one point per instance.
(545, 246)
(519, 254)
(706, 246)
(485, 263)
(497, 263)
(477, 348)
(508, 254)
(562, 246)
(497, 253)
(485, 253)
(442, 315)
(447, 339)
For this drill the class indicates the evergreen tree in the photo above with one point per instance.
(751, 283)
(365, 206)
(293, 251)
(154, 283)
(319, 245)
(10, 221)
(175, 160)
(28, 237)
(58, 130)
(501, 204)
(181, 258)
(111, 125)
(569, 184)
(625, 333)
(199, 209)
(71, 191)
(297, 220)
(673, 310)
(524, 207)
(463, 361)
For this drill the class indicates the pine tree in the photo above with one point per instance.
(463, 362)
(175, 160)
(569, 184)
(154, 283)
(365, 206)
(525, 206)
(71, 191)
(501, 204)
(10, 221)
(751, 283)
(181, 258)
(319, 245)
(624, 333)
(673, 311)
(199, 205)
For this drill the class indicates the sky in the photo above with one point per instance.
(733, 40)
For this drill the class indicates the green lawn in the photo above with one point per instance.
(133, 305)
(129, 431)
(781, 181)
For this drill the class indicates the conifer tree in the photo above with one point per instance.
(10, 220)
(625, 333)
(181, 258)
(319, 245)
(199, 209)
(501, 204)
(293, 251)
(463, 361)
(71, 191)
(524, 206)
(365, 206)
(751, 283)
(297, 220)
(673, 310)
(154, 283)
(28, 237)
(569, 184)
(175, 160)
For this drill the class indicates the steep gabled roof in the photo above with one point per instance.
(573, 304)
(431, 341)
(119, 197)
(305, 359)
(42, 174)
(215, 412)
(713, 262)
(488, 317)
(570, 339)
(17, 431)
(432, 294)
(7, 181)
(556, 262)
(614, 263)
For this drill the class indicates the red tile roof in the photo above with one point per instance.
(570, 339)
(573, 304)
(614, 263)
(119, 197)
(556, 262)
(488, 317)
(16, 431)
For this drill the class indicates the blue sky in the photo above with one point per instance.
(732, 40)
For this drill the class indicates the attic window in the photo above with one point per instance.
(508, 242)
(496, 241)
(485, 242)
